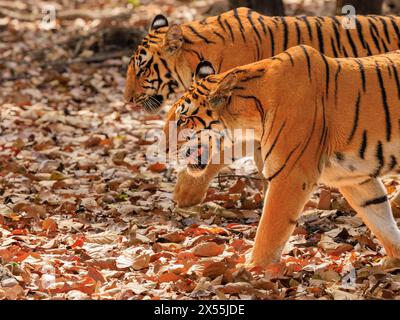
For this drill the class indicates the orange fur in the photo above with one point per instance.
(318, 119)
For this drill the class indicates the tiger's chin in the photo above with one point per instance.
(196, 170)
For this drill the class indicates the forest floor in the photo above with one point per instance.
(84, 215)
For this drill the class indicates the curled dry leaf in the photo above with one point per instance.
(157, 167)
(208, 249)
(214, 269)
(105, 237)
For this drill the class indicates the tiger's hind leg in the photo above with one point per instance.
(283, 204)
(369, 199)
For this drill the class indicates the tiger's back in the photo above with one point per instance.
(166, 60)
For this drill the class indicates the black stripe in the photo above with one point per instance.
(356, 116)
(361, 37)
(378, 200)
(309, 138)
(219, 35)
(249, 12)
(352, 44)
(396, 29)
(186, 40)
(298, 33)
(283, 165)
(261, 20)
(251, 78)
(396, 75)
(260, 110)
(360, 33)
(308, 62)
(230, 30)
(335, 24)
(385, 103)
(199, 35)
(310, 34)
(320, 39)
(327, 76)
(220, 22)
(335, 53)
(372, 30)
(323, 125)
(290, 57)
(393, 162)
(363, 146)
(385, 29)
(236, 15)
(164, 62)
(362, 73)
(336, 81)
(285, 33)
(381, 160)
(272, 41)
(275, 141)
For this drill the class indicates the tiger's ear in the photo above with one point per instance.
(173, 39)
(219, 98)
(159, 21)
(204, 69)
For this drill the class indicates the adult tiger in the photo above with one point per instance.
(337, 123)
(164, 63)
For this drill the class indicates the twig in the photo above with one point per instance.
(238, 176)
(14, 5)
(89, 14)
(71, 14)
(95, 58)
(19, 16)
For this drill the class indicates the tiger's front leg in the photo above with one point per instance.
(283, 204)
(191, 190)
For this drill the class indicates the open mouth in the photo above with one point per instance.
(197, 157)
(152, 103)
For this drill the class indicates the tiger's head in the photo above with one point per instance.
(197, 117)
(157, 70)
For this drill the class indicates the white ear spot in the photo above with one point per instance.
(204, 69)
(159, 21)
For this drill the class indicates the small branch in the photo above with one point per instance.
(19, 16)
(71, 14)
(92, 15)
(238, 176)
(95, 58)
(16, 5)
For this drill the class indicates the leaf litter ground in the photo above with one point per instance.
(84, 215)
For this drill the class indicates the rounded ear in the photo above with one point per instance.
(220, 97)
(173, 39)
(204, 69)
(159, 21)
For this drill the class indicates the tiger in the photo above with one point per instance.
(319, 119)
(164, 63)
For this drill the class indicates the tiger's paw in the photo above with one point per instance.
(189, 191)
(390, 264)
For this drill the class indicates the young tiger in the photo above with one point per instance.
(164, 63)
(319, 120)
